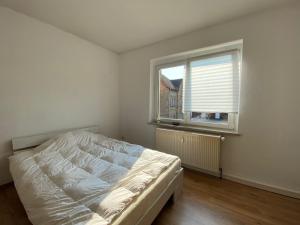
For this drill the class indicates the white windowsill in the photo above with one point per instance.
(195, 128)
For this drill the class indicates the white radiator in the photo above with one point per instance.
(198, 151)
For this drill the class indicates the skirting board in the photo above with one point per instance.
(274, 189)
(5, 181)
(200, 170)
(251, 183)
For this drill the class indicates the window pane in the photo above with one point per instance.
(171, 81)
(209, 117)
(213, 84)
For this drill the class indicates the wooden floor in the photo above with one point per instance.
(211, 201)
(205, 201)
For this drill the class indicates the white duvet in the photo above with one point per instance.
(83, 178)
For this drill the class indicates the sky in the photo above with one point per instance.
(173, 73)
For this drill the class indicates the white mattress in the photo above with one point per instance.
(84, 178)
(137, 209)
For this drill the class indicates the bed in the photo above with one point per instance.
(83, 177)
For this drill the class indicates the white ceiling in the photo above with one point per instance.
(122, 25)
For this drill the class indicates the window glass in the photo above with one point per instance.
(171, 86)
(209, 117)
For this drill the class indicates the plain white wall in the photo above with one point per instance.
(268, 150)
(51, 80)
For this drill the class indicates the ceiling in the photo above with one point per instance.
(122, 25)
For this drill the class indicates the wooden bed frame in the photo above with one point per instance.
(173, 189)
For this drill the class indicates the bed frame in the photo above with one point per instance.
(24, 142)
(173, 189)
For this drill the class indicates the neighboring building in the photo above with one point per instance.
(170, 98)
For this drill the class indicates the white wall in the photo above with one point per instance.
(52, 80)
(268, 151)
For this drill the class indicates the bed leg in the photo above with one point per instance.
(178, 188)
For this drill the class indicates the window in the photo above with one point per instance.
(199, 88)
(170, 89)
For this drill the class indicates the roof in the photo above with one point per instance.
(176, 83)
(171, 84)
(167, 82)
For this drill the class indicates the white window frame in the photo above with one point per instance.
(157, 113)
(184, 59)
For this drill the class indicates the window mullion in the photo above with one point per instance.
(185, 113)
